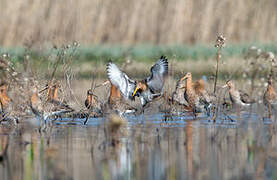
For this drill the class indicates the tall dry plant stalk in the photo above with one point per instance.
(130, 22)
(220, 43)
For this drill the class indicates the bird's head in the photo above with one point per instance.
(3, 88)
(187, 76)
(229, 84)
(140, 87)
(89, 92)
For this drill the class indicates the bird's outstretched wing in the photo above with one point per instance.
(120, 80)
(158, 73)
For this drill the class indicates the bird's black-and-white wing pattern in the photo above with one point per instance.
(120, 80)
(158, 73)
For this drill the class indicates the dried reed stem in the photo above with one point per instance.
(218, 56)
(220, 43)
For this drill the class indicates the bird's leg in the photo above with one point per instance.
(194, 114)
(269, 110)
(85, 122)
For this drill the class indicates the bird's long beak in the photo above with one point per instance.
(224, 86)
(46, 87)
(103, 84)
(135, 91)
(185, 77)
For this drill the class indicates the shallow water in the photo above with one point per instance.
(156, 146)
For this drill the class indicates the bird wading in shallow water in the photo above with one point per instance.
(201, 91)
(238, 97)
(122, 88)
(153, 86)
(270, 96)
(93, 104)
(196, 95)
(7, 111)
(177, 100)
(52, 106)
(178, 94)
(5, 99)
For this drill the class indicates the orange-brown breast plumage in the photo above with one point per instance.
(196, 95)
(36, 103)
(199, 87)
(52, 92)
(117, 103)
(114, 95)
(270, 96)
(201, 92)
(4, 98)
(190, 94)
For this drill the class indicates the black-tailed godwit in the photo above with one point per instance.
(270, 96)
(238, 97)
(153, 86)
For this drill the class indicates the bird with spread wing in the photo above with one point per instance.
(147, 89)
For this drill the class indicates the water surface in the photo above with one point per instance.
(156, 146)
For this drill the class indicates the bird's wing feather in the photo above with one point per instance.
(121, 81)
(158, 73)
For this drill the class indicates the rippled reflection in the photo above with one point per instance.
(145, 147)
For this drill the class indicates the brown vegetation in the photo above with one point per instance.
(129, 22)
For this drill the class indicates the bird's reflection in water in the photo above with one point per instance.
(117, 149)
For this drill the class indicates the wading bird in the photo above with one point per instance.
(52, 106)
(196, 95)
(117, 104)
(153, 86)
(270, 96)
(93, 104)
(201, 91)
(177, 100)
(122, 88)
(238, 97)
(7, 110)
(178, 94)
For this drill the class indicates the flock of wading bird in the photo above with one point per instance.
(189, 96)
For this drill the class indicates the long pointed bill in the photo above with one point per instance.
(135, 91)
(103, 84)
(183, 78)
(43, 89)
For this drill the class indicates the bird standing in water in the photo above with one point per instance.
(196, 95)
(177, 100)
(93, 104)
(153, 86)
(6, 104)
(118, 104)
(178, 94)
(201, 91)
(52, 106)
(122, 88)
(270, 96)
(5, 99)
(238, 97)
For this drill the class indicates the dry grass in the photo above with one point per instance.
(129, 22)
